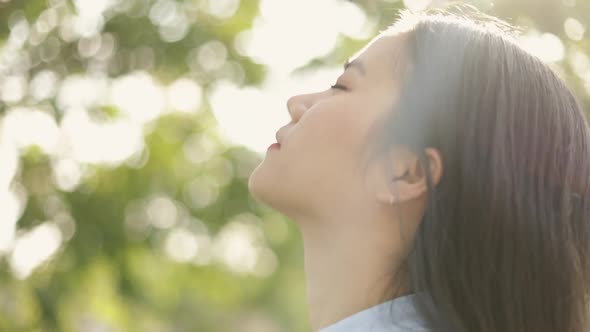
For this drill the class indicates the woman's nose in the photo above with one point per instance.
(297, 105)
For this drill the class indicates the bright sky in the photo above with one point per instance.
(279, 40)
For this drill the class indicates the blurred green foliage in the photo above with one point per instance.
(113, 270)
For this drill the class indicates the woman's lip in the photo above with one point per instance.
(274, 146)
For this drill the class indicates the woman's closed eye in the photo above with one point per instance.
(338, 86)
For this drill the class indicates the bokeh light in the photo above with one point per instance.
(33, 248)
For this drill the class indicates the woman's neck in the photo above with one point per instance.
(347, 271)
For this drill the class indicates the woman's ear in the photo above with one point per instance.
(408, 179)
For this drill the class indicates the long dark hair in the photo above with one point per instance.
(504, 244)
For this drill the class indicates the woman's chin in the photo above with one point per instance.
(258, 185)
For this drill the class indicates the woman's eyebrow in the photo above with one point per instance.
(355, 64)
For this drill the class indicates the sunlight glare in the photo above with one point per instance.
(138, 96)
(82, 91)
(417, 5)
(43, 85)
(13, 204)
(547, 46)
(162, 212)
(574, 29)
(580, 63)
(222, 9)
(24, 127)
(233, 105)
(10, 161)
(240, 246)
(48, 20)
(235, 247)
(201, 192)
(92, 8)
(212, 55)
(13, 89)
(108, 143)
(280, 40)
(19, 33)
(284, 41)
(67, 174)
(33, 248)
(181, 245)
(184, 95)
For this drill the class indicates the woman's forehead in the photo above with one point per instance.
(381, 54)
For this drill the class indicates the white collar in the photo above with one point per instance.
(402, 317)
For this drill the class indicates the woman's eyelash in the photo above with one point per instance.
(338, 86)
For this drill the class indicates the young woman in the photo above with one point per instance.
(442, 184)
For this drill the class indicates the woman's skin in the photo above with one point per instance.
(353, 235)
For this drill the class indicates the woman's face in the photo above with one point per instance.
(316, 168)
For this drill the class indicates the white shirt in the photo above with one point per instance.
(403, 317)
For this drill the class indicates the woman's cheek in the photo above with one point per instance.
(341, 129)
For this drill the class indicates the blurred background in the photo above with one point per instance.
(128, 130)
